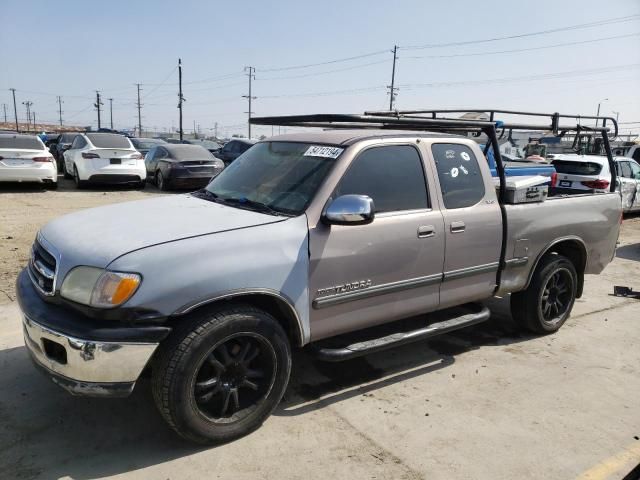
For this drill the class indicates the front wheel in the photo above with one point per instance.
(221, 374)
(546, 304)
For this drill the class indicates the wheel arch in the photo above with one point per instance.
(271, 301)
(571, 247)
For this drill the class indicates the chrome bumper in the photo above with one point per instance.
(85, 367)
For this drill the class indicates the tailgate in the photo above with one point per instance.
(113, 156)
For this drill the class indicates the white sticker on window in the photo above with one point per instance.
(454, 172)
(465, 156)
(450, 154)
(320, 151)
(464, 170)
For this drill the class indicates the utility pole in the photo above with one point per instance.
(392, 88)
(215, 130)
(139, 105)
(251, 76)
(60, 109)
(15, 109)
(4, 107)
(181, 99)
(33, 115)
(28, 103)
(97, 105)
(111, 111)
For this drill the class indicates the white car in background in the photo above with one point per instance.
(24, 158)
(587, 173)
(104, 158)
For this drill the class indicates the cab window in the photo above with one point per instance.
(460, 177)
(393, 176)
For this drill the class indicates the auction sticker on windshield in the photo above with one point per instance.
(320, 151)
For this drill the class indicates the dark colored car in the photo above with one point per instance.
(181, 166)
(213, 147)
(58, 148)
(143, 145)
(234, 149)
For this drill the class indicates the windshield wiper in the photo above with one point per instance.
(252, 205)
(207, 195)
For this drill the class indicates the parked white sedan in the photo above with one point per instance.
(24, 158)
(104, 158)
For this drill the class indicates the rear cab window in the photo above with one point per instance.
(461, 180)
(108, 140)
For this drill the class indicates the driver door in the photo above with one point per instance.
(362, 275)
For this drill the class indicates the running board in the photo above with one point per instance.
(475, 313)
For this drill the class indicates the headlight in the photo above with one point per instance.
(99, 288)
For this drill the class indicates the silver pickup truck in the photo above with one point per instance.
(303, 238)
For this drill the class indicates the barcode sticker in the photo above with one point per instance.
(320, 151)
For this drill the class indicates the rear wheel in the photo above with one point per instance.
(547, 303)
(161, 182)
(76, 178)
(222, 373)
(67, 175)
(51, 186)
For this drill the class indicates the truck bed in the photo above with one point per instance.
(591, 222)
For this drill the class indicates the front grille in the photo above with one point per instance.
(42, 268)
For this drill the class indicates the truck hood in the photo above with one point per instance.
(97, 236)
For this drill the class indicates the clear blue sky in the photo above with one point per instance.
(72, 48)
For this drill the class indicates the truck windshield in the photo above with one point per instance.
(283, 176)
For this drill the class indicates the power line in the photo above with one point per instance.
(530, 34)
(339, 60)
(163, 82)
(479, 54)
(315, 74)
(544, 76)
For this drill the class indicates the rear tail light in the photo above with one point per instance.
(42, 159)
(136, 156)
(90, 155)
(554, 179)
(596, 184)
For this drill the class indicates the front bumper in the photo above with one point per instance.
(86, 367)
(84, 355)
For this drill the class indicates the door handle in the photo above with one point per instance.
(426, 231)
(457, 227)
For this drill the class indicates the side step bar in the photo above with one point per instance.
(477, 314)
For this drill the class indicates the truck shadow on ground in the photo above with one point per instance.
(629, 252)
(46, 433)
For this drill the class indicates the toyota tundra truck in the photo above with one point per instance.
(303, 240)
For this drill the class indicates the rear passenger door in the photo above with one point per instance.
(472, 222)
(361, 275)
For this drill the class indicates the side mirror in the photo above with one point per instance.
(349, 210)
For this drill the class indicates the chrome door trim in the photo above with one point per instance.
(470, 271)
(376, 290)
(517, 262)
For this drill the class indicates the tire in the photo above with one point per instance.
(51, 186)
(141, 185)
(198, 368)
(546, 304)
(67, 175)
(161, 183)
(76, 178)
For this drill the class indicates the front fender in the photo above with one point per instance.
(181, 274)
